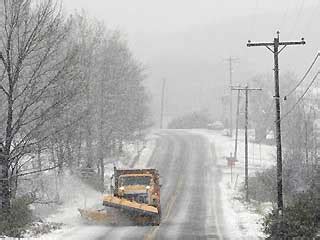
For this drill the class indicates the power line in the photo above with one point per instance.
(304, 76)
(291, 92)
(287, 113)
(292, 108)
(301, 97)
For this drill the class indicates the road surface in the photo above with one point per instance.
(190, 197)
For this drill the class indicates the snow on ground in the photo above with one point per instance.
(242, 220)
(75, 194)
(131, 158)
(147, 152)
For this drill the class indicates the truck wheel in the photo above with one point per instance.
(156, 221)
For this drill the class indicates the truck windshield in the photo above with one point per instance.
(135, 180)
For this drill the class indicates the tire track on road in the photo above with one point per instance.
(175, 195)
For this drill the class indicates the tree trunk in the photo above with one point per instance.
(79, 150)
(4, 184)
(120, 150)
(69, 153)
(101, 155)
(39, 157)
(102, 173)
(60, 157)
(89, 159)
(4, 161)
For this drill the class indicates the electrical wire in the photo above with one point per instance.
(304, 76)
(300, 98)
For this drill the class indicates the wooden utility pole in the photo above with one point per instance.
(246, 171)
(275, 45)
(237, 128)
(162, 102)
(231, 60)
(246, 146)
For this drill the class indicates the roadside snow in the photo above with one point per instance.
(147, 151)
(74, 194)
(241, 219)
(78, 195)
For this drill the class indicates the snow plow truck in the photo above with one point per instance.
(135, 195)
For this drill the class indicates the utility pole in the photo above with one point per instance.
(275, 45)
(246, 146)
(237, 128)
(246, 171)
(231, 60)
(162, 102)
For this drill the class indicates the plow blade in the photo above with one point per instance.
(133, 208)
(96, 215)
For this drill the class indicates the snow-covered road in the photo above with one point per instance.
(190, 195)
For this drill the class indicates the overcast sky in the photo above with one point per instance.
(154, 15)
(186, 41)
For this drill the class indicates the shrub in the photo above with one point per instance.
(13, 224)
(300, 220)
(262, 186)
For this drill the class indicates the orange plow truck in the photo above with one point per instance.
(135, 196)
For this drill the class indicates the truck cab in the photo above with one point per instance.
(138, 185)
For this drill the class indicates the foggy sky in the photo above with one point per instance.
(170, 15)
(187, 41)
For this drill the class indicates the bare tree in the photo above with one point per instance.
(121, 98)
(111, 106)
(37, 79)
